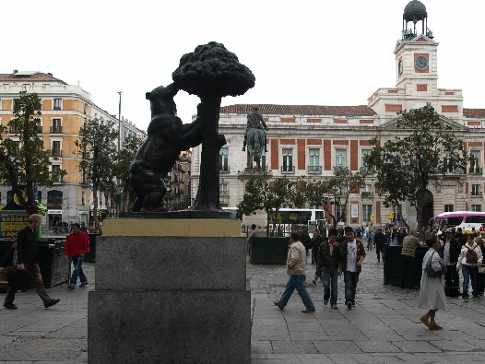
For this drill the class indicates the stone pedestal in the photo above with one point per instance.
(170, 291)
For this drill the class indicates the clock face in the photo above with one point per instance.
(421, 62)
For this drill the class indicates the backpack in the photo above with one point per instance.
(471, 256)
(430, 272)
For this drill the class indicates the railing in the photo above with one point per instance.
(56, 153)
(315, 169)
(225, 170)
(366, 194)
(476, 194)
(287, 169)
(475, 171)
(56, 130)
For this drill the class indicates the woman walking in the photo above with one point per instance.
(431, 292)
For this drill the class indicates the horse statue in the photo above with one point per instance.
(255, 139)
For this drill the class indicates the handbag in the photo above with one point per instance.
(430, 272)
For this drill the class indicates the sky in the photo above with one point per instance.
(301, 52)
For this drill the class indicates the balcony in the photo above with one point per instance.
(476, 194)
(55, 153)
(476, 171)
(225, 170)
(287, 169)
(314, 169)
(366, 195)
(56, 130)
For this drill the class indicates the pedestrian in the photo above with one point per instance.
(481, 267)
(353, 256)
(330, 267)
(76, 245)
(296, 271)
(380, 242)
(469, 259)
(431, 291)
(409, 244)
(251, 234)
(27, 260)
(317, 240)
(451, 252)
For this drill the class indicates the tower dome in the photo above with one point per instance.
(415, 11)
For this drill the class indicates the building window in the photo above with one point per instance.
(449, 208)
(314, 160)
(477, 208)
(83, 201)
(475, 167)
(366, 213)
(287, 160)
(341, 158)
(224, 159)
(339, 212)
(56, 126)
(363, 154)
(224, 194)
(476, 189)
(56, 148)
(57, 103)
(54, 200)
(56, 173)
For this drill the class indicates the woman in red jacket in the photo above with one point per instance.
(77, 244)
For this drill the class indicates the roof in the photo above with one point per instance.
(29, 77)
(415, 11)
(272, 109)
(474, 113)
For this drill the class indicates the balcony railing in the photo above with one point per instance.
(56, 130)
(225, 170)
(315, 169)
(287, 169)
(475, 171)
(56, 153)
(476, 194)
(366, 195)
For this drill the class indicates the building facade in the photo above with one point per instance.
(309, 141)
(64, 110)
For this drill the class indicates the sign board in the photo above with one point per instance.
(11, 222)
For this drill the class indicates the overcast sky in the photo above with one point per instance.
(318, 52)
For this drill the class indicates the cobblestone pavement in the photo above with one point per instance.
(383, 327)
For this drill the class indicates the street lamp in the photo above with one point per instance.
(119, 122)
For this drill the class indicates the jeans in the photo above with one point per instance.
(36, 277)
(77, 271)
(470, 274)
(330, 290)
(298, 283)
(351, 279)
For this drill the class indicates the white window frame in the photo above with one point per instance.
(284, 154)
(363, 152)
(54, 104)
(476, 189)
(474, 207)
(336, 150)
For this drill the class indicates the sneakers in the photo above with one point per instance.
(51, 303)
(306, 310)
(10, 306)
(278, 304)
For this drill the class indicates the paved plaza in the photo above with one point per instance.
(383, 327)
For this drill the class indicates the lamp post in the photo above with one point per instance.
(119, 122)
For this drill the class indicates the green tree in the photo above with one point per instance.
(405, 164)
(121, 170)
(97, 148)
(297, 193)
(341, 185)
(24, 164)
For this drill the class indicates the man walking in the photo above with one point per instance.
(379, 241)
(27, 250)
(353, 257)
(296, 271)
(77, 244)
(329, 263)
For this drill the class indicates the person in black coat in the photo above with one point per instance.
(379, 241)
(27, 252)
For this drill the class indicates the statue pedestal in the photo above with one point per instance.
(170, 291)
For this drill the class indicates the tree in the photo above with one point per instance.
(341, 185)
(24, 164)
(211, 72)
(121, 170)
(97, 147)
(297, 193)
(405, 164)
(318, 194)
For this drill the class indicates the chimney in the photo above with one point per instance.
(50, 74)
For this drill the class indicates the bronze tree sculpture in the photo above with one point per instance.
(210, 72)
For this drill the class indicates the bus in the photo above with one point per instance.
(466, 220)
(286, 218)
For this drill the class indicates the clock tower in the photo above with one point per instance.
(416, 52)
